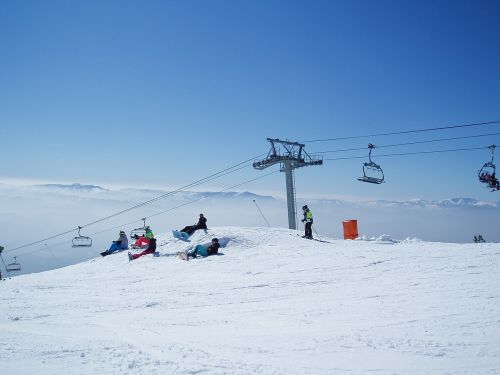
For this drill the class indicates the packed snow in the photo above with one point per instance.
(270, 303)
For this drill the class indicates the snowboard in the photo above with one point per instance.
(105, 253)
(180, 235)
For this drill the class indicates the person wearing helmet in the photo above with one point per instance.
(308, 220)
(149, 233)
(119, 245)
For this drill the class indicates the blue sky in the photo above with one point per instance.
(162, 93)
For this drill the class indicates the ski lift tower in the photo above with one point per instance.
(293, 157)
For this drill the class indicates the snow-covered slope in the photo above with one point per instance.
(271, 303)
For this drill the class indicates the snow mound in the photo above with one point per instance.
(384, 238)
(411, 240)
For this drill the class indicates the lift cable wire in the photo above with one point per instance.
(330, 159)
(407, 143)
(406, 131)
(410, 153)
(195, 183)
(156, 214)
(198, 182)
(170, 209)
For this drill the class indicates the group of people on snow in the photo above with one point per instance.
(147, 241)
(479, 239)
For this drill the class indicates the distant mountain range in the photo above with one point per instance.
(148, 193)
(444, 203)
(72, 187)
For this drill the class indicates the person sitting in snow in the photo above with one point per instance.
(201, 224)
(140, 242)
(203, 251)
(150, 250)
(119, 245)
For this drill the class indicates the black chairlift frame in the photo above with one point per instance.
(139, 231)
(15, 266)
(488, 167)
(81, 241)
(11, 267)
(371, 166)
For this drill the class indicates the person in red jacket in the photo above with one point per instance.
(150, 250)
(141, 242)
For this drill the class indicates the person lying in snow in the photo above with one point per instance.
(201, 224)
(203, 251)
(150, 250)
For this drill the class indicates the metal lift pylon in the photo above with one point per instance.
(293, 157)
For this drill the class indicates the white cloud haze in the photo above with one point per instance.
(31, 213)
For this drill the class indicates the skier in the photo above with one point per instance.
(308, 220)
(212, 249)
(120, 244)
(150, 250)
(201, 224)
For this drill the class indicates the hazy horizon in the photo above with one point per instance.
(31, 213)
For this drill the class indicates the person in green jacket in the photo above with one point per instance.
(149, 233)
(308, 220)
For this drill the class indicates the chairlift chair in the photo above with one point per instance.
(372, 172)
(15, 266)
(81, 241)
(488, 168)
(139, 231)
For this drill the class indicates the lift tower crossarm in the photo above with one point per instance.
(294, 157)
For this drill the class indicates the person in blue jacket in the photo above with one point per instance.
(119, 245)
(204, 251)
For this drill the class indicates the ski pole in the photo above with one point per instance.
(256, 205)
(314, 229)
